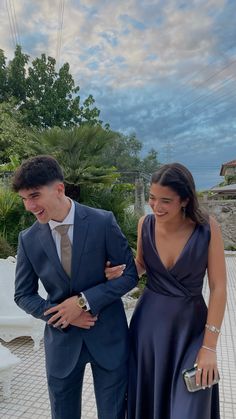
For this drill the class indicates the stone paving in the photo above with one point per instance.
(29, 398)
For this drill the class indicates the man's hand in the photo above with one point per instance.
(85, 320)
(65, 313)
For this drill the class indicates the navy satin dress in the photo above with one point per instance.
(166, 332)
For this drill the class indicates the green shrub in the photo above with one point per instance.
(13, 217)
(231, 247)
(5, 248)
(129, 226)
(116, 198)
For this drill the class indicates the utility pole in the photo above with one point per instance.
(169, 152)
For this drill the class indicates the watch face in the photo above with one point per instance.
(81, 302)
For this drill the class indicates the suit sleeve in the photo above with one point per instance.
(26, 286)
(118, 252)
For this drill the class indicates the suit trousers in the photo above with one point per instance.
(110, 390)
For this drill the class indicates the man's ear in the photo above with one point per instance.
(60, 188)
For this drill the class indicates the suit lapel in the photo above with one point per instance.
(79, 237)
(47, 242)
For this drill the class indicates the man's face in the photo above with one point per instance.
(45, 202)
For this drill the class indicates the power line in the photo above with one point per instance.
(203, 69)
(210, 78)
(12, 20)
(213, 104)
(59, 32)
(218, 101)
(11, 25)
(197, 113)
(16, 24)
(220, 85)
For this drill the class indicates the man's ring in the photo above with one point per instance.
(199, 369)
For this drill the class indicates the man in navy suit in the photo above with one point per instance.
(84, 314)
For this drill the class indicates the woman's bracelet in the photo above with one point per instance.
(212, 328)
(209, 349)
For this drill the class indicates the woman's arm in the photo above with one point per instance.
(139, 253)
(217, 300)
(217, 283)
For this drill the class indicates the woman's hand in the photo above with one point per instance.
(207, 370)
(114, 271)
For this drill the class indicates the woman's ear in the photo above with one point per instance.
(185, 202)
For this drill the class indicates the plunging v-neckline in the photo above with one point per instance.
(181, 252)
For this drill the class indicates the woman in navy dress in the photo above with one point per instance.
(172, 328)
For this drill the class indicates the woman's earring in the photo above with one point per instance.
(184, 212)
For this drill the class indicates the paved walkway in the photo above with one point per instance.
(29, 399)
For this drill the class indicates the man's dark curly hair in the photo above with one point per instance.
(37, 171)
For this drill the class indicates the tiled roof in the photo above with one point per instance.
(226, 188)
(230, 163)
(224, 166)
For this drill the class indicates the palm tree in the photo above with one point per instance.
(77, 150)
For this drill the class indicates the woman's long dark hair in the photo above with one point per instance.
(179, 179)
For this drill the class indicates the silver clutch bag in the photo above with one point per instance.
(189, 376)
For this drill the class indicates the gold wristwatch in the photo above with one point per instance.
(81, 302)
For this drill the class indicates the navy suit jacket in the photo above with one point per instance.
(96, 239)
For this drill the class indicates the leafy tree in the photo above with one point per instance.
(229, 179)
(16, 76)
(53, 98)
(88, 115)
(123, 153)
(150, 163)
(46, 97)
(50, 95)
(3, 77)
(14, 136)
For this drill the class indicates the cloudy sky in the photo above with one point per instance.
(163, 69)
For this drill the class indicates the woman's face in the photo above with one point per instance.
(166, 204)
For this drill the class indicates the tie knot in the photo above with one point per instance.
(63, 229)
